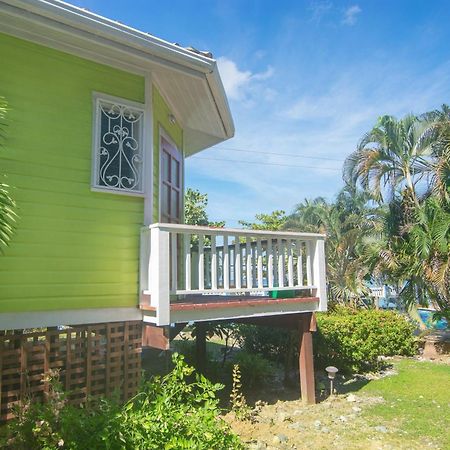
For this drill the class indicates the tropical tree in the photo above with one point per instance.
(438, 132)
(7, 205)
(276, 220)
(406, 164)
(346, 223)
(390, 158)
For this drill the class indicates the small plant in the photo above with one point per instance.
(237, 399)
(178, 411)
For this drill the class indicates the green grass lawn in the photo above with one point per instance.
(417, 400)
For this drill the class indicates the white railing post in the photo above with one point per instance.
(159, 267)
(318, 269)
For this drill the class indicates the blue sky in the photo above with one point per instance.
(304, 78)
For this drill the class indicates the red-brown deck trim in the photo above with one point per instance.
(240, 302)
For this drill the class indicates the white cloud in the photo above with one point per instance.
(241, 84)
(319, 9)
(351, 15)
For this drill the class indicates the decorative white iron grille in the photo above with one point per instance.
(119, 153)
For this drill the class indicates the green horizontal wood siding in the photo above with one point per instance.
(73, 248)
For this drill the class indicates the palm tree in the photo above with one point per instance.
(346, 223)
(391, 157)
(438, 131)
(7, 206)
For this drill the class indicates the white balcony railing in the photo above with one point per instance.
(181, 260)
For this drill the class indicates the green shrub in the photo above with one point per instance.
(178, 411)
(354, 340)
(255, 370)
(347, 338)
(271, 343)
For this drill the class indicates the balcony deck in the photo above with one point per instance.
(218, 307)
(192, 273)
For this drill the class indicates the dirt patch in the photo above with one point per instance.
(337, 423)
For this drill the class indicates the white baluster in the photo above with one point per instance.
(174, 261)
(299, 264)
(248, 255)
(213, 263)
(260, 263)
(208, 268)
(226, 264)
(201, 263)
(269, 253)
(280, 263)
(309, 250)
(290, 244)
(187, 261)
(237, 262)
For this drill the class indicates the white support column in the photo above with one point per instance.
(159, 267)
(319, 272)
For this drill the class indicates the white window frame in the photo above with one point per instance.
(97, 97)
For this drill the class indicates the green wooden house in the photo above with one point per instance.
(101, 118)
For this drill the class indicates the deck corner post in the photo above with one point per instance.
(160, 279)
(319, 272)
(200, 346)
(306, 359)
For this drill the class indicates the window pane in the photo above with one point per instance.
(176, 173)
(165, 166)
(119, 150)
(165, 199)
(175, 207)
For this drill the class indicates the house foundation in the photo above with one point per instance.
(90, 361)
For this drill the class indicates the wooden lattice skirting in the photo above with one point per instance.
(92, 361)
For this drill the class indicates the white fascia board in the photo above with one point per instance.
(37, 319)
(81, 19)
(221, 100)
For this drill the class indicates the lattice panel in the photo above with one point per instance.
(92, 360)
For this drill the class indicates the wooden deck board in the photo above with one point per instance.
(219, 302)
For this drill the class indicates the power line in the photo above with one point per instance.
(266, 163)
(236, 149)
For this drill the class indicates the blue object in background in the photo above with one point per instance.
(426, 316)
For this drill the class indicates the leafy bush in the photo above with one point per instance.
(347, 338)
(177, 411)
(271, 343)
(254, 369)
(354, 340)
